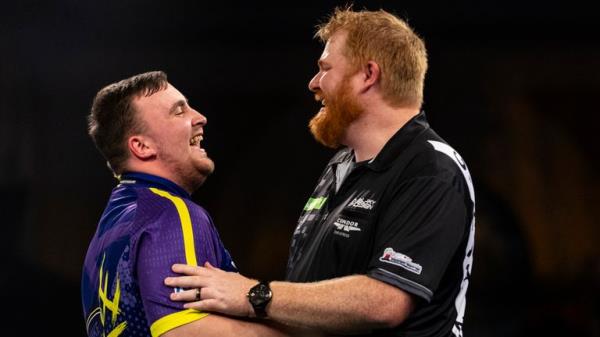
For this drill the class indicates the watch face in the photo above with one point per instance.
(260, 294)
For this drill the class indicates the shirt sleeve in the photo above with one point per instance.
(418, 234)
(174, 234)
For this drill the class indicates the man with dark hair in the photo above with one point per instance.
(151, 138)
(384, 246)
(112, 117)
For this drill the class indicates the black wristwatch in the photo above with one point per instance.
(259, 296)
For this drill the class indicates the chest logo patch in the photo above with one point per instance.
(367, 204)
(343, 227)
(400, 260)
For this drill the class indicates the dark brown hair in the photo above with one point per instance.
(113, 118)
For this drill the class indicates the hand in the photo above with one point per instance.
(221, 291)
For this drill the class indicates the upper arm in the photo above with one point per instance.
(173, 234)
(391, 305)
(418, 236)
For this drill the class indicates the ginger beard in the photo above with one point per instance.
(329, 126)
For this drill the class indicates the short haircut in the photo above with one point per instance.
(113, 117)
(390, 42)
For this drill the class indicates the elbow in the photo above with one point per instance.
(391, 313)
(392, 321)
(386, 318)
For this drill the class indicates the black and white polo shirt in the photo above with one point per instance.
(405, 218)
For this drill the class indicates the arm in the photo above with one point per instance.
(155, 254)
(423, 231)
(222, 326)
(348, 304)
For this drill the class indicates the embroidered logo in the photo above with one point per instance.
(362, 203)
(346, 225)
(343, 227)
(400, 260)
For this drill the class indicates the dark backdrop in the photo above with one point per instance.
(512, 85)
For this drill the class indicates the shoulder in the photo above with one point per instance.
(154, 201)
(432, 159)
(157, 207)
(431, 155)
(166, 206)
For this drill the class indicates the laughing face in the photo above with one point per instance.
(332, 87)
(175, 131)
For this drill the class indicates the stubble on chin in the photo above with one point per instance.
(191, 175)
(202, 172)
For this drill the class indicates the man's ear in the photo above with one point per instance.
(371, 74)
(141, 147)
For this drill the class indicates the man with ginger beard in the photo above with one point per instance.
(384, 245)
(330, 124)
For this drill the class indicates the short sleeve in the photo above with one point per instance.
(418, 234)
(174, 235)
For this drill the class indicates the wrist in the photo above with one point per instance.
(259, 296)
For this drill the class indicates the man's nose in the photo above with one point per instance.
(313, 84)
(199, 119)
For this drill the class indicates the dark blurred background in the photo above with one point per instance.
(512, 85)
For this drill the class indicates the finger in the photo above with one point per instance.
(186, 282)
(186, 295)
(186, 269)
(208, 266)
(204, 305)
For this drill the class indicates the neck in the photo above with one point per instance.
(144, 167)
(370, 132)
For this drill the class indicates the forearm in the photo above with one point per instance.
(223, 326)
(344, 305)
(348, 304)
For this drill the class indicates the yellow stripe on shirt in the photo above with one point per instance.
(175, 320)
(186, 225)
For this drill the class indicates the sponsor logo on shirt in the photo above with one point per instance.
(344, 227)
(314, 203)
(367, 204)
(400, 260)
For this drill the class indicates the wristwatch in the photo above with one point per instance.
(259, 296)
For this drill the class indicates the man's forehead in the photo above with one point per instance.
(338, 38)
(334, 44)
(164, 97)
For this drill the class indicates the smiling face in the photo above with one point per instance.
(173, 131)
(332, 86)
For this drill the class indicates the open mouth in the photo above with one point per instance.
(195, 141)
(319, 98)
